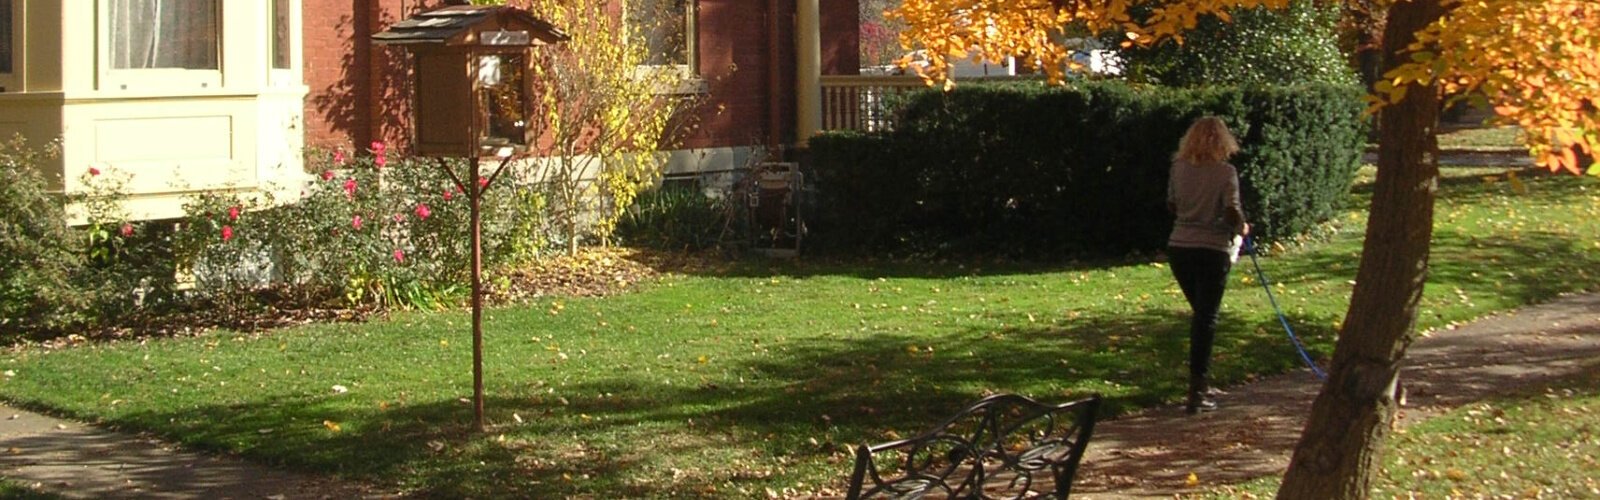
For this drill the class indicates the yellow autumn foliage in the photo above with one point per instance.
(1536, 61)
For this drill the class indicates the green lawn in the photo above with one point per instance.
(760, 378)
(11, 490)
(1482, 139)
(1542, 444)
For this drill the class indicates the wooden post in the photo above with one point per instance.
(475, 188)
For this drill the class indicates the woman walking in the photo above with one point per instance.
(1203, 195)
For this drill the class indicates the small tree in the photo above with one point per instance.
(604, 116)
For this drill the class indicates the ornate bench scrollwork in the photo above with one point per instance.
(1004, 446)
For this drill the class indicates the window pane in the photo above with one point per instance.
(665, 27)
(280, 34)
(164, 34)
(5, 36)
(504, 99)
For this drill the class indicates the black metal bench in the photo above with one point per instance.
(1004, 446)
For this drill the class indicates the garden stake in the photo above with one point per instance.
(1249, 248)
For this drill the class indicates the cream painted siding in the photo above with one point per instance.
(175, 131)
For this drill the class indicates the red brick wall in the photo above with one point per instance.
(841, 37)
(736, 63)
(360, 93)
(356, 89)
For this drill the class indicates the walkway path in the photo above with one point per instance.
(1147, 455)
(81, 461)
(1151, 454)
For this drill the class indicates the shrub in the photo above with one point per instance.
(367, 230)
(39, 255)
(673, 218)
(54, 276)
(1032, 171)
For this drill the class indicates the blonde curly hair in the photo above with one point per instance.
(1207, 141)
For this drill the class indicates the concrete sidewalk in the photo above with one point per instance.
(1152, 453)
(81, 461)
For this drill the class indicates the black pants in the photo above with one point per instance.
(1203, 275)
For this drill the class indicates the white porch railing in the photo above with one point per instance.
(864, 102)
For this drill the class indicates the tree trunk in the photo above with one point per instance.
(1339, 451)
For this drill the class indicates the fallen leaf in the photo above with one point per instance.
(331, 425)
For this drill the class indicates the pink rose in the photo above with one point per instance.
(380, 160)
(233, 213)
(399, 217)
(422, 211)
(94, 171)
(350, 188)
(378, 147)
(327, 175)
(355, 222)
(449, 193)
(399, 255)
(483, 182)
(338, 158)
(127, 230)
(227, 233)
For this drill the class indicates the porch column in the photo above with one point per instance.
(808, 61)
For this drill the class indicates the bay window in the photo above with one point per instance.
(282, 43)
(162, 44)
(7, 36)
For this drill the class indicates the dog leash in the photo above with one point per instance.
(1265, 284)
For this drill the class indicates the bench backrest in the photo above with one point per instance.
(1004, 446)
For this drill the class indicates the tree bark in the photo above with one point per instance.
(1340, 449)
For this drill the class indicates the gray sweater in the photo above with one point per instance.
(1205, 199)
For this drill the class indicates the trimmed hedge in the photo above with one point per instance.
(1031, 171)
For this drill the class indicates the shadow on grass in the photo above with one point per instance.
(629, 435)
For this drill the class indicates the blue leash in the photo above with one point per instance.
(1250, 249)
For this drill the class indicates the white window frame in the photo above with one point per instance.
(689, 73)
(12, 81)
(691, 40)
(171, 81)
(284, 77)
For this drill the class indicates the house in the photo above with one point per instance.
(206, 95)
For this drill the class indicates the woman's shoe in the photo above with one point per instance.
(1198, 402)
(1200, 396)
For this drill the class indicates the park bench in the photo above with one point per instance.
(1003, 446)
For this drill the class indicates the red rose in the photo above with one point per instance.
(350, 188)
(94, 171)
(127, 230)
(233, 213)
(355, 222)
(327, 175)
(422, 211)
(227, 233)
(399, 255)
